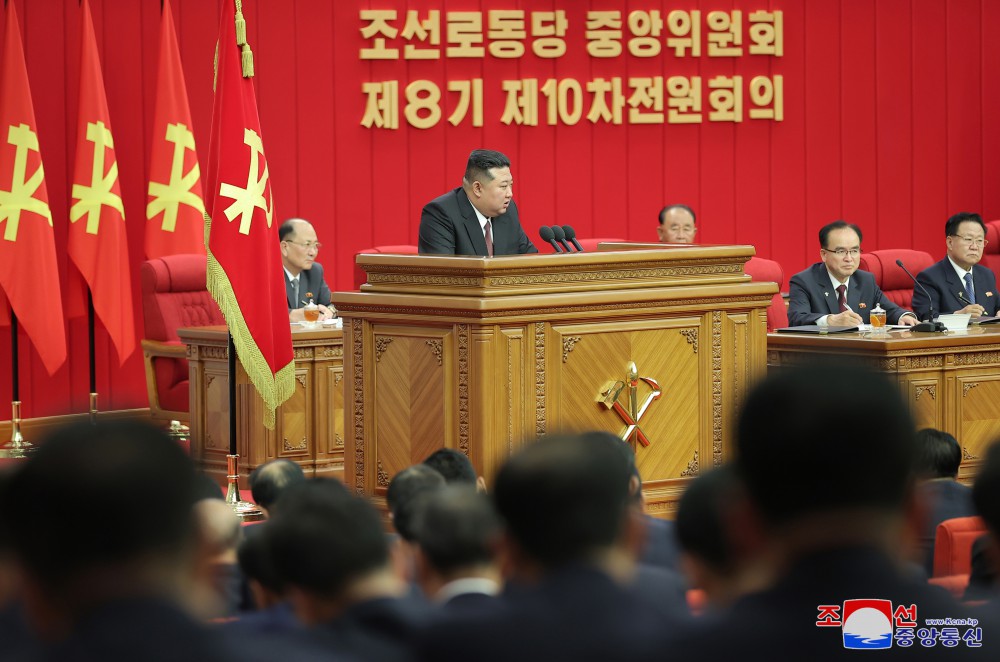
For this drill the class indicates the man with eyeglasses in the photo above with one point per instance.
(303, 275)
(833, 292)
(677, 225)
(958, 283)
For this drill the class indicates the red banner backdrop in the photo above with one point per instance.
(886, 122)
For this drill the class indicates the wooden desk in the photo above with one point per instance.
(309, 427)
(484, 354)
(951, 381)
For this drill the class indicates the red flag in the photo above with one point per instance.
(175, 212)
(97, 242)
(244, 264)
(28, 271)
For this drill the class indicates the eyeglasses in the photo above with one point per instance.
(841, 252)
(307, 246)
(971, 241)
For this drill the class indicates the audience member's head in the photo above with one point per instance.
(208, 488)
(219, 530)
(404, 490)
(257, 563)
(269, 480)
(455, 466)
(457, 532)
(677, 225)
(136, 532)
(326, 545)
(565, 499)
(820, 441)
(938, 454)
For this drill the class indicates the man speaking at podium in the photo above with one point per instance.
(479, 217)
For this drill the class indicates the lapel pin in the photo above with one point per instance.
(862, 305)
(826, 294)
(989, 294)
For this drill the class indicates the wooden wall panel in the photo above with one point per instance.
(886, 106)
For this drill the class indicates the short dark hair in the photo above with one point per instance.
(269, 480)
(481, 161)
(257, 562)
(701, 522)
(322, 537)
(951, 225)
(938, 454)
(824, 232)
(664, 211)
(565, 496)
(106, 466)
(986, 489)
(288, 228)
(456, 527)
(404, 490)
(454, 465)
(796, 460)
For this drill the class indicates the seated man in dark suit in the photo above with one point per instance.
(571, 542)
(303, 275)
(456, 467)
(986, 497)
(457, 537)
(958, 283)
(833, 503)
(479, 217)
(271, 479)
(833, 292)
(938, 457)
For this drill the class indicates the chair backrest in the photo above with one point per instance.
(892, 280)
(175, 295)
(991, 252)
(360, 278)
(953, 545)
(760, 269)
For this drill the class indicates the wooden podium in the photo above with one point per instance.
(484, 354)
(309, 426)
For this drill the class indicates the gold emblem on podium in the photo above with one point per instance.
(610, 396)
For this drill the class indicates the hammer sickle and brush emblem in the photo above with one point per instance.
(610, 398)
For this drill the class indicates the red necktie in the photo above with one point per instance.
(489, 237)
(842, 297)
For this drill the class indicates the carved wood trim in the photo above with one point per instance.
(463, 388)
(692, 467)
(301, 379)
(569, 343)
(967, 455)
(381, 477)
(357, 350)
(437, 347)
(717, 388)
(930, 388)
(381, 344)
(540, 379)
(301, 446)
(968, 386)
(691, 335)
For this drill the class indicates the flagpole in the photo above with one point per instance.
(245, 510)
(17, 447)
(93, 360)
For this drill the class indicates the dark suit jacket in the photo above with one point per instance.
(811, 296)
(576, 613)
(661, 544)
(449, 226)
(943, 286)
(384, 629)
(310, 280)
(946, 499)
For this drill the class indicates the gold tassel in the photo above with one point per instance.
(241, 25)
(215, 67)
(246, 57)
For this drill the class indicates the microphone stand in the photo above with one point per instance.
(928, 326)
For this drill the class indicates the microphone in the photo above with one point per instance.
(571, 235)
(930, 325)
(561, 237)
(545, 232)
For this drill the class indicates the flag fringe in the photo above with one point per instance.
(274, 389)
(246, 55)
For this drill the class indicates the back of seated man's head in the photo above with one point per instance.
(322, 538)
(818, 440)
(938, 454)
(219, 528)
(269, 480)
(257, 563)
(117, 546)
(457, 529)
(405, 488)
(986, 490)
(454, 465)
(565, 498)
(701, 519)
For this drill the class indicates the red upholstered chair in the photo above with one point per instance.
(760, 269)
(360, 278)
(892, 280)
(953, 545)
(174, 295)
(991, 252)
